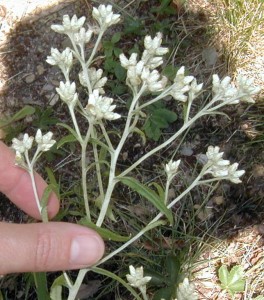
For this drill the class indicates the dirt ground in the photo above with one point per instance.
(25, 78)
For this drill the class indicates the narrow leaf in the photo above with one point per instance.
(70, 138)
(72, 131)
(106, 234)
(149, 195)
(25, 111)
(44, 202)
(116, 278)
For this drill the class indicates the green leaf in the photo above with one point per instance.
(170, 72)
(106, 234)
(232, 281)
(259, 298)
(72, 131)
(133, 26)
(116, 278)
(24, 112)
(53, 182)
(70, 138)
(21, 114)
(164, 293)
(56, 288)
(159, 118)
(120, 72)
(156, 278)
(41, 285)
(116, 37)
(149, 194)
(44, 118)
(44, 202)
(173, 265)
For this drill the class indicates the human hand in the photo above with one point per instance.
(40, 247)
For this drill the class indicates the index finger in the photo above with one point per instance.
(16, 184)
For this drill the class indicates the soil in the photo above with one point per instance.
(25, 78)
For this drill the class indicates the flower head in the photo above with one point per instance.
(45, 141)
(246, 89)
(128, 62)
(20, 146)
(136, 277)
(153, 46)
(171, 168)
(82, 37)
(194, 89)
(105, 16)
(221, 168)
(153, 80)
(225, 90)
(69, 26)
(181, 85)
(234, 174)
(67, 92)
(100, 107)
(96, 79)
(62, 59)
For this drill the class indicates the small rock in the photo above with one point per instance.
(47, 87)
(55, 82)
(218, 200)
(186, 151)
(54, 99)
(258, 171)
(210, 56)
(40, 69)
(30, 78)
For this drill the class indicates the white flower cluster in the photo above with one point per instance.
(44, 143)
(69, 26)
(171, 168)
(96, 79)
(233, 94)
(100, 107)
(105, 16)
(221, 168)
(136, 278)
(61, 59)
(183, 84)
(143, 72)
(67, 92)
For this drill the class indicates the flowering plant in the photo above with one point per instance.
(144, 79)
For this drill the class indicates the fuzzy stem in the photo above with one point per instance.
(95, 48)
(84, 171)
(97, 165)
(114, 156)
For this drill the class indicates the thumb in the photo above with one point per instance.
(50, 246)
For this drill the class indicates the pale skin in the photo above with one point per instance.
(38, 247)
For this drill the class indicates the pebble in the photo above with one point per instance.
(54, 99)
(30, 78)
(40, 69)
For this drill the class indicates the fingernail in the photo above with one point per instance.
(86, 250)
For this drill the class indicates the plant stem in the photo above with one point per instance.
(75, 288)
(97, 164)
(114, 156)
(84, 171)
(33, 181)
(95, 48)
